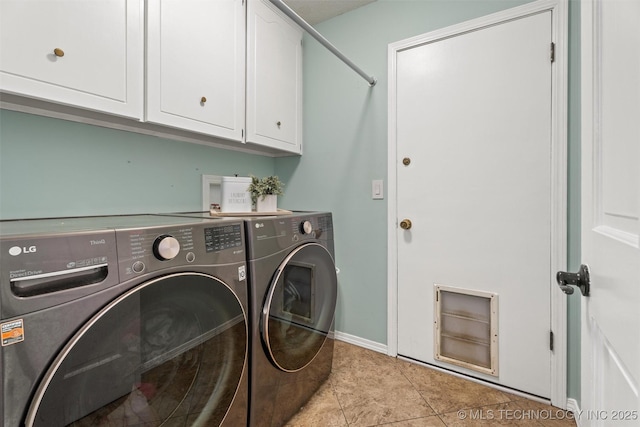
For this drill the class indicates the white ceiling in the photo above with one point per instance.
(315, 11)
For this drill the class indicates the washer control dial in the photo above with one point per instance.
(306, 227)
(166, 247)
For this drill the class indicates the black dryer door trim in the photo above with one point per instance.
(299, 308)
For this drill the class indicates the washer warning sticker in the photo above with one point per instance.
(242, 273)
(12, 332)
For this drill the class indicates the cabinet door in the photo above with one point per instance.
(274, 79)
(87, 54)
(195, 59)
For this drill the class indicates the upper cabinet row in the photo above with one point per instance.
(215, 67)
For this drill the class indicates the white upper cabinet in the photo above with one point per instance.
(87, 54)
(196, 65)
(274, 78)
(224, 71)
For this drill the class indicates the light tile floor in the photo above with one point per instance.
(367, 388)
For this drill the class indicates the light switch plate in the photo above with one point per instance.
(377, 189)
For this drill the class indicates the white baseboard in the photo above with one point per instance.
(361, 342)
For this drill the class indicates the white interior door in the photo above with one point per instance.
(611, 212)
(474, 121)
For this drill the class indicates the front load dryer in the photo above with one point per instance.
(128, 320)
(292, 291)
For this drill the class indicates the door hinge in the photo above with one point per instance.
(551, 340)
(552, 54)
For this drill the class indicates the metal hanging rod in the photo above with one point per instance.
(316, 35)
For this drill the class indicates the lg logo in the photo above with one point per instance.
(17, 250)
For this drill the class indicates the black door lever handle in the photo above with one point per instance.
(580, 279)
(566, 289)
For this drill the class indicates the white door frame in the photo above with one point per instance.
(559, 9)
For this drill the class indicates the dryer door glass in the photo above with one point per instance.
(300, 306)
(169, 352)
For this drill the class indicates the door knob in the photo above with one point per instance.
(580, 279)
(405, 224)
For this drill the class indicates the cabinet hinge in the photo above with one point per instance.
(552, 54)
(551, 340)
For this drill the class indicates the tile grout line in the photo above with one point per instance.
(335, 394)
(397, 361)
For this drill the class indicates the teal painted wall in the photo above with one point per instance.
(345, 134)
(51, 167)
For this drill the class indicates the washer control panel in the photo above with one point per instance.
(145, 250)
(224, 237)
(47, 262)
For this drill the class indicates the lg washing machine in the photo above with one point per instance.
(127, 320)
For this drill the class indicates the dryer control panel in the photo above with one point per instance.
(267, 235)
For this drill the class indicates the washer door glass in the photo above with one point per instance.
(172, 350)
(300, 306)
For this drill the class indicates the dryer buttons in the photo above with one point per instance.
(166, 247)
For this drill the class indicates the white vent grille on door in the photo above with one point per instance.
(466, 328)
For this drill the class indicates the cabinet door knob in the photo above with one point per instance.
(203, 99)
(278, 123)
(58, 52)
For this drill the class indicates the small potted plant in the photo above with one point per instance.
(265, 192)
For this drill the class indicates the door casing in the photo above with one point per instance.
(559, 9)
